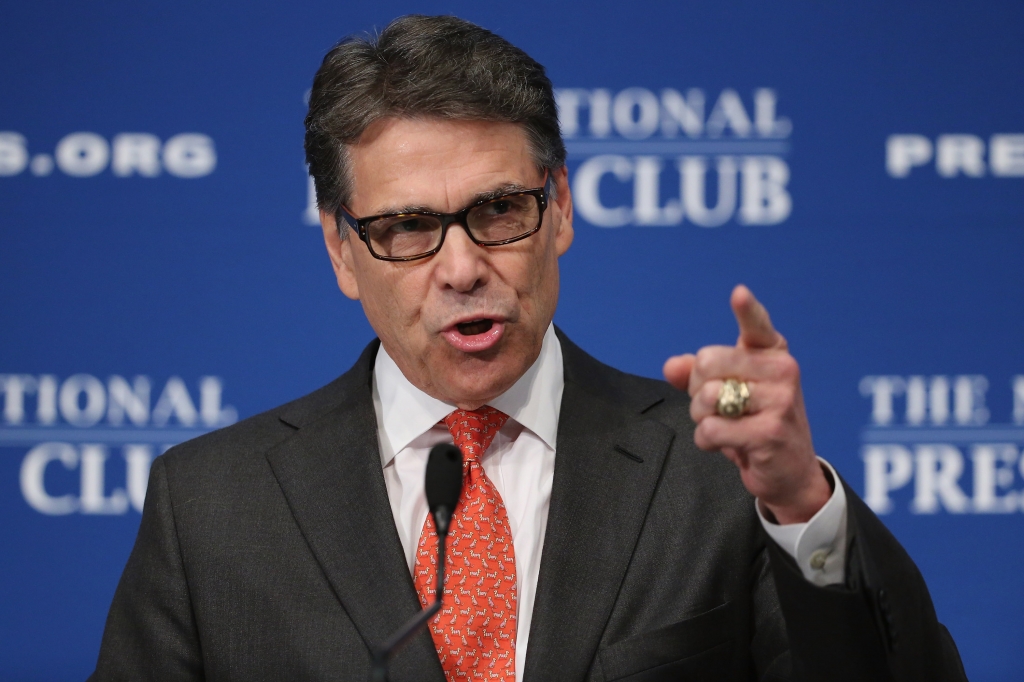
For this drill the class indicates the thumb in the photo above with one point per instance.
(677, 370)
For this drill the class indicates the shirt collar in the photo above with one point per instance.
(404, 412)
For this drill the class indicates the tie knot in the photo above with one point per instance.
(473, 430)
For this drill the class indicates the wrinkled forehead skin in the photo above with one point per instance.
(397, 163)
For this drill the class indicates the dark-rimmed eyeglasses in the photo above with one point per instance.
(489, 222)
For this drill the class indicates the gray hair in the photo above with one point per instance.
(423, 66)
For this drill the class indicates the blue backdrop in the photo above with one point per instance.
(859, 167)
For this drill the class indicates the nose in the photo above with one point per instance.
(461, 264)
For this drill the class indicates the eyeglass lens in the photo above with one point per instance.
(412, 234)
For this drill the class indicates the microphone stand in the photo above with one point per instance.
(382, 654)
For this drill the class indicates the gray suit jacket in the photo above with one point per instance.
(267, 551)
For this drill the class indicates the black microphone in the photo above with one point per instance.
(443, 484)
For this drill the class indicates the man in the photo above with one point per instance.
(595, 538)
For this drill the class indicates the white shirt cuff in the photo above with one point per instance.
(819, 546)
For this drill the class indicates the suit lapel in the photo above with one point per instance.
(607, 465)
(331, 475)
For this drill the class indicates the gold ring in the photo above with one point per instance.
(733, 397)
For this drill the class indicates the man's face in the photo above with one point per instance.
(464, 324)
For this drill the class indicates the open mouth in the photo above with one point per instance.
(473, 336)
(474, 327)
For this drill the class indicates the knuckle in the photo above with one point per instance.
(783, 395)
(786, 366)
(775, 431)
(706, 431)
(702, 363)
(709, 392)
(696, 383)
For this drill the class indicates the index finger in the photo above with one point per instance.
(756, 330)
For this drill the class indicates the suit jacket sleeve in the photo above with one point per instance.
(880, 625)
(150, 632)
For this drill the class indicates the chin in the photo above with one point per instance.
(476, 380)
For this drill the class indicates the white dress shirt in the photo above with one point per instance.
(521, 465)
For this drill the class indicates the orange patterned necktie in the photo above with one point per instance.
(475, 632)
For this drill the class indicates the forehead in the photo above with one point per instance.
(436, 164)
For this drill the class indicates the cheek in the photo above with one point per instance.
(547, 265)
(538, 280)
(391, 301)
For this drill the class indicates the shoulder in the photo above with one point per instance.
(655, 400)
(638, 393)
(241, 446)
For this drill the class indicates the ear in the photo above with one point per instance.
(340, 251)
(563, 207)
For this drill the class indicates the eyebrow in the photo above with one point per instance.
(500, 190)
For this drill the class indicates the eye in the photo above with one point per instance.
(500, 207)
(408, 225)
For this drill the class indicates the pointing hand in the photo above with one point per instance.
(771, 442)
